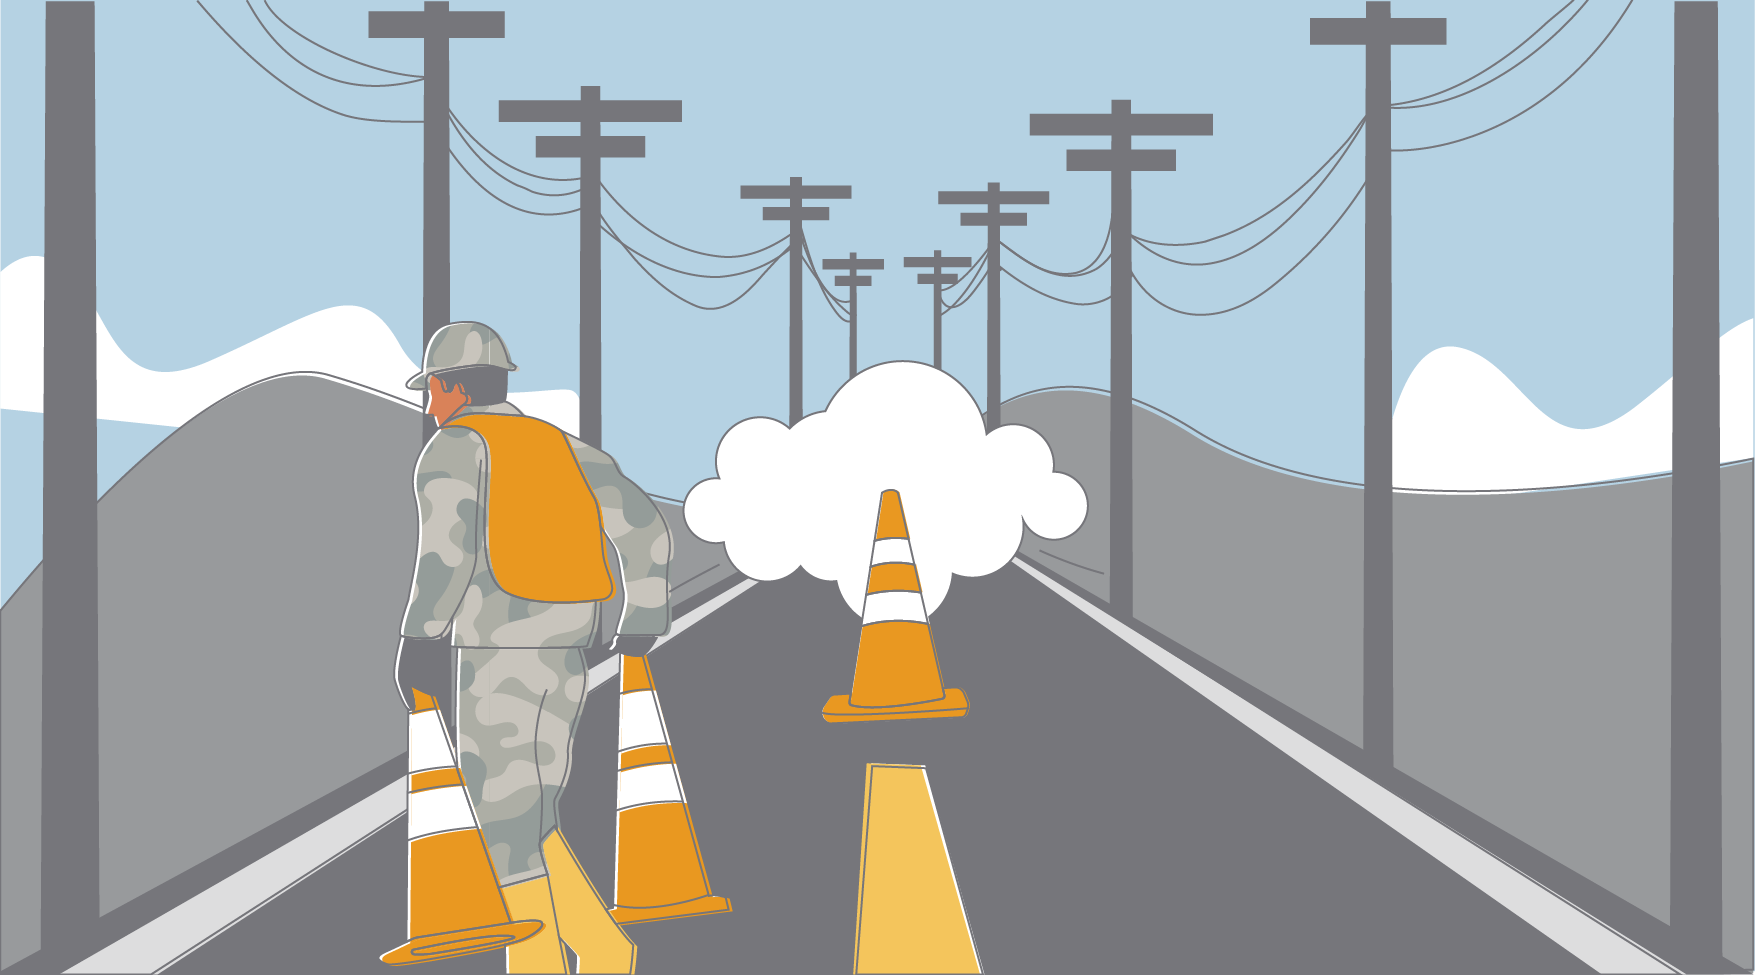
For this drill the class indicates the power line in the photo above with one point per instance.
(1331, 158)
(673, 294)
(1507, 71)
(835, 303)
(259, 64)
(496, 196)
(693, 274)
(1095, 264)
(969, 292)
(1265, 237)
(295, 57)
(971, 280)
(1007, 272)
(1410, 102)
(472, 136)
(491, 169)
(1562, 84)
(673, 243)
(1312, 250)
(338, 54)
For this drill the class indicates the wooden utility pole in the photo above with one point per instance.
(435, 24)
(1696, 647)
(1121, 161)
(591, 147)
(1379, 33)
(795, 213)
(993, 219)
(939, 279)
(853, 282)
(70, 720)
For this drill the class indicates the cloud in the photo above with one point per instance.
(808, 496)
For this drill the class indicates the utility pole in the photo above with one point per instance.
(795, 213)
(853, 282)
(1121, 160)
(938, 278)
(1696, 641)
(1379, 33)
(992, 219)
(590, 147)
(436, 24)
(70, 752)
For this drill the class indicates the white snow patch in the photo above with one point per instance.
(1462, 425)
(346, 341)
(808, 496)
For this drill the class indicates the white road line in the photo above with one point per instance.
(1596, 944)
(167, 939)
(188, 926)
(701, 612)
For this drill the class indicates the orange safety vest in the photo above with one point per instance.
(544, 527)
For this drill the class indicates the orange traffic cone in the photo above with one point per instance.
(896, 675)
(454, 903)
(658, 869)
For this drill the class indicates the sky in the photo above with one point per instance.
(228, 206)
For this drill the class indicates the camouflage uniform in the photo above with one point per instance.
(521, 663)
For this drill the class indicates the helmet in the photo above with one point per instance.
(460, 345)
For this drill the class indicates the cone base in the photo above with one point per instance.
(953, 705)
(468, 941)
(700, 905)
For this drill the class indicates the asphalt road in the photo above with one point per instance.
(1100, 815)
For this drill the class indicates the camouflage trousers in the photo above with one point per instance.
(516, 711)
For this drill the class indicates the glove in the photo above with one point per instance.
(423, 664)
(634, 646)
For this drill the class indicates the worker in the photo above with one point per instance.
(526, 535)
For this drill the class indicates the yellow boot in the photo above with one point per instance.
(585, 922)
(541, 952)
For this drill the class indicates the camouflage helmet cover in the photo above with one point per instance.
(460, 345)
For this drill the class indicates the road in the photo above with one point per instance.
(1099, 813)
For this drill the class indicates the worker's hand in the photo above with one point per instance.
(634, 646)
(424, 664)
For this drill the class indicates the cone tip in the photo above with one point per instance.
(636, 674)
(891, 523)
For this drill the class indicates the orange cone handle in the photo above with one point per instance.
(896, 675)
(454, 903)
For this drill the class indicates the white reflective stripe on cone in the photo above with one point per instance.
(885, 607)
(640, 722)
(439, 811)
(428, 747)
(891, 550)
(648, 783)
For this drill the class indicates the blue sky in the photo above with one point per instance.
(229, 207)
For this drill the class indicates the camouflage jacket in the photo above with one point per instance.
(454, 590)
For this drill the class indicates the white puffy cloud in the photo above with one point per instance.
(808, 496)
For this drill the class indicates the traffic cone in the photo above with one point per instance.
(658, 869)
(896, 675)
(454, 902)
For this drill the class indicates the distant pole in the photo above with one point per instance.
(590, 147)
(70, 702)
(1379, 33)
(1121, 161)
(435, 24)
(992, 219)
(1696, 648)
(853, 282)
(795, 213)
(938, 279)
